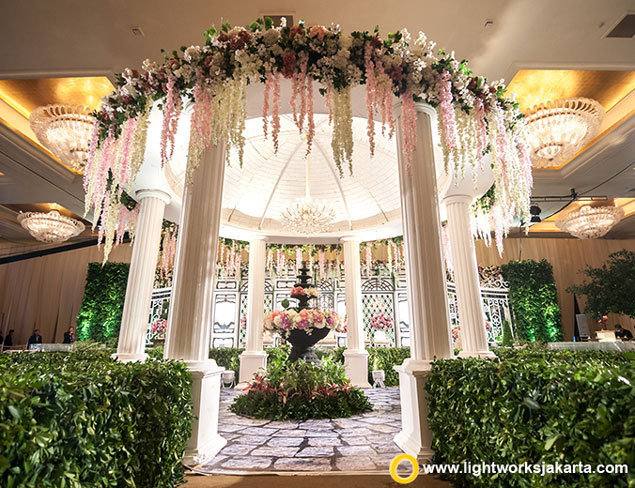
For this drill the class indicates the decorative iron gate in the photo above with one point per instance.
(381, 294)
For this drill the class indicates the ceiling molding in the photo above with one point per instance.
(10, 142)
(516, 66)
(62, 73)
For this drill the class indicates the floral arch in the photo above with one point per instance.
(475, 117)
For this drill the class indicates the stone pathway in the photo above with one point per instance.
(359, 443)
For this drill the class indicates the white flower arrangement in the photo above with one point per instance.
(474, 116)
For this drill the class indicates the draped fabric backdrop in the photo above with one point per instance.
(47, 292)
(568, 258)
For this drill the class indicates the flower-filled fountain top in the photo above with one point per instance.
(474, 116)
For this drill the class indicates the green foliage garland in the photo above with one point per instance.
(611, 286)
(82, 419)
(534, 300)
(99, 317)
(535, 406)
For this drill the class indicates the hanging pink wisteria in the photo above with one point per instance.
(475, 116)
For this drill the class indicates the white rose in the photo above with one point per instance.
(192, 52)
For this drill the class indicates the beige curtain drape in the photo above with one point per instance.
(568, 258)
(46, 293)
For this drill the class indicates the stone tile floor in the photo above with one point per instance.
(359, 443)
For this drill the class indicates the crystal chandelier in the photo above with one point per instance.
(65, 130)
(50, 227)
(305, 215)
(556, 130)
(590, 221)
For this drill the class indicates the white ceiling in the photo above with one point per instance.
(67, 36)
(255, 194)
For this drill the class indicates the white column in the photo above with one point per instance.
(427, 294)
(468, 288)
(254, 358)
(143, 263)
(190, 318)
(355, 356)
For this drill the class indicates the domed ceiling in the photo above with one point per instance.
(255, 194)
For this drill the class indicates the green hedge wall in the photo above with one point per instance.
(534, 300)
(99, 317)
(378, 358)
(81, 419)
(535, 406)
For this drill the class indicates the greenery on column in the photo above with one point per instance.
(611, 286)
(99, 318)
(534, 300)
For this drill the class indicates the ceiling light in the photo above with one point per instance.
(305, 215)
(65, 130)
(558, 129)
(50, 227)
(590, 221)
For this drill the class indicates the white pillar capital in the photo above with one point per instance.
(154, 193)
(344, 239)
(458, 199)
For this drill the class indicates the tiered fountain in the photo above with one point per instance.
(304, 341)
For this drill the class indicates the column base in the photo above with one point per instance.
(129, 358)
(477, 354)
(250, 363)
(205, 441)
(356, 365)
(415, 437)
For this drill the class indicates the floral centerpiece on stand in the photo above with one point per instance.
(303, 326)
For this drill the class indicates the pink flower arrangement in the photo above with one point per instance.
(298, 290)
(283, 321)
(455, 333)
(158, 328)
(381, 322)
(474, 114)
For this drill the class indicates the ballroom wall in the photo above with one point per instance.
(568, 257)
(47, 292)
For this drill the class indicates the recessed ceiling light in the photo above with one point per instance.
(137, 31)
(489, 24)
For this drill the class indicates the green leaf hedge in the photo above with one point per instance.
(99, 317)
(535, 406)
(534, 300)
(81, 419)
(378, 358)
(301, 391)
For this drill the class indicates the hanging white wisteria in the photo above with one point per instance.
(474, 116)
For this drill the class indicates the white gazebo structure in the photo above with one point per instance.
(381, 199)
